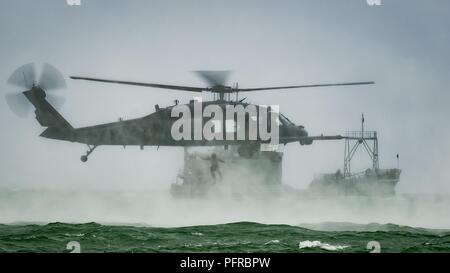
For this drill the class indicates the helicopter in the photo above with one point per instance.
(153, 129)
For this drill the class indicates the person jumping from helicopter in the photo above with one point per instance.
(215, 166)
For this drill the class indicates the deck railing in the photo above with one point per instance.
(359, 134)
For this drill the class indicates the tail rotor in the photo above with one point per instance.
(24, 77)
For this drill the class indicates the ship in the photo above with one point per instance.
(373, 181)
(260, 175)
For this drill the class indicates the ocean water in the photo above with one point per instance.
(234, 237)
(153, 221)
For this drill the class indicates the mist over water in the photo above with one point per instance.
(159, 208)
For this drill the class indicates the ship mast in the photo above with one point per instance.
(355, 139)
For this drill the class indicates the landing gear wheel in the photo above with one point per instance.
(84, 158)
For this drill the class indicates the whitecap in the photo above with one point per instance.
(313, 244)
(74, 235)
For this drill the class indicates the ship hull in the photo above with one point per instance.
(382, 183)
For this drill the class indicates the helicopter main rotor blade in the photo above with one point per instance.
(163, 86)
(214, 78)
(304, 86)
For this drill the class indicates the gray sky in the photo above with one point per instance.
(402, 45)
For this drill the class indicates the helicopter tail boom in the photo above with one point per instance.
(48, 116)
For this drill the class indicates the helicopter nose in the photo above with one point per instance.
(304, 133)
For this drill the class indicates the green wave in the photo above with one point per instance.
(244, 237)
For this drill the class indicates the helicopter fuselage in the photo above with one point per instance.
(156, 130)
